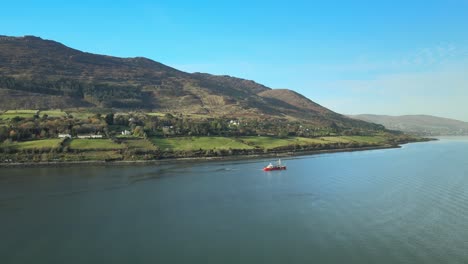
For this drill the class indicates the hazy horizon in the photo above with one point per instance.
(363, 57)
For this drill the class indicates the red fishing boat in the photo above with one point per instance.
(275, 167)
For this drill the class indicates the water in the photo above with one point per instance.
(406, 205)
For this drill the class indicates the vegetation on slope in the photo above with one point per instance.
(196, 143)
(28, 136)
(143, 109)
(43, 74)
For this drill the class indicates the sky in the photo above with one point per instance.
(354, 57)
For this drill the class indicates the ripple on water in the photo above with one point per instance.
(406, 205)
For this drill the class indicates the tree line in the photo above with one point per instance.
(169, 125)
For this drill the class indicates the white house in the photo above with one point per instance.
(126, 133)
(64, 136)
(168, 130)
(234, 122)
(89, 136)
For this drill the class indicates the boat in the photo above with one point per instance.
(277, 166)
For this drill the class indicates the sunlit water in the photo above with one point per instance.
(407, 205)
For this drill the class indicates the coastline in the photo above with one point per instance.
(195, 159)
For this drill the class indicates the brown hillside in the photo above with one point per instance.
(294, 99)
(37, 73)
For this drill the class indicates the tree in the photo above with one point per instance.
(121, 120)
(168, 116)
(17, 119)
(43, 133)
(109, 118)
(3, 133)
(13, 134)
(152, 123)
(283, 133)
(138, 131)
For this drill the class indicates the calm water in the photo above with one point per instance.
(406, 205)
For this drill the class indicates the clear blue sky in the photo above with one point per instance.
(383, 57)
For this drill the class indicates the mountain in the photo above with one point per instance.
(44, 74)
(425, 125)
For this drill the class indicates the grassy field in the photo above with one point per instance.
(273, 142)
(92, 144)
(336, 139)
(366, 139)
(18, 113)
(155, 114)
(52, 113)
(34, 144)
(195, 143)
(93, 155)
(24, 111)
(139, 144)
(197, 116)
(133, 148)
(191, 143)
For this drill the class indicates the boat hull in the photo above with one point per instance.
(275, 168)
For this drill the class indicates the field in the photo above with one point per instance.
(18, 113)
(52, 113)
(198, 116)
(195, 143)
(94, 144)
(139, 144)
(155, 114)
(191, 143)
(366, 139)
(273, 142)
(134, 148)
(34, 144)
(24, 111)
(93, 155)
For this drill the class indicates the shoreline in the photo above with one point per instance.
(194, 159)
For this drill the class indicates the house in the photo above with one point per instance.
(89, 136)
(168, 130)
(126, 133)
(234, 123)
(64, 136)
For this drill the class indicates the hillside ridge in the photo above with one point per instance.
(40, 74)
(424, 125)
